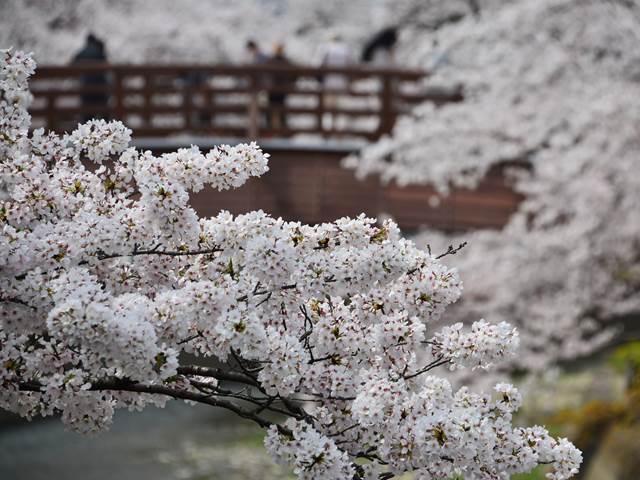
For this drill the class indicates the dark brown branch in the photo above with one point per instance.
(330, 397)
(245, 370)
(17, 301)
(188, 339)
(218, 374)
(451, 250)
(437, 363)
(105, 256)
(125, 386)
(344, 430)
(263, 403)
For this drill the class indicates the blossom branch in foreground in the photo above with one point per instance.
(323, 324)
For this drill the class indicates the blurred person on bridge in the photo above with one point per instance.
(95, 99)
(334, 54)
(256, 54)
(279, 83)
(379, 50)
(259, 100)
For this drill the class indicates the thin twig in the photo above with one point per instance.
(437, 363)
(451, 250)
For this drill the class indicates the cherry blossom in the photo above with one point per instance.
(107, 275)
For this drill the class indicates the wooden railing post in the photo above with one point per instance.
(212, 112)
(50, 115)
(118, 94)
(253, 116)
(148, 100)
(321, 106)
(187, 101)
(387, 113)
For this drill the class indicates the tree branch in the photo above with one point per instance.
(451, 250)
(436, 363)
(105, 256)
(17, 301)
(218, 374)
(126, 386)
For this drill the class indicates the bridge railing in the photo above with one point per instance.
(242, 101)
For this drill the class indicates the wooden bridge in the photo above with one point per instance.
(255, 101)
(306, 126)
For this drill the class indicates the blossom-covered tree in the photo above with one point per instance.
(107, 276)
(552, 85)
(55, 30)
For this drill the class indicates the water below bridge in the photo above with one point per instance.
(179, 442)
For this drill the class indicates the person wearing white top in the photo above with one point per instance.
(335, 53)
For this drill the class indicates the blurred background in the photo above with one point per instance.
(511, 125)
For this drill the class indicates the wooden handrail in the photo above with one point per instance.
(228, 69)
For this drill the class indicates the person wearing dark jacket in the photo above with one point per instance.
(378, 50)
(92, 52)
(279, 81)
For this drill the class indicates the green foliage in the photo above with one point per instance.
(537, 474)
(626, 356)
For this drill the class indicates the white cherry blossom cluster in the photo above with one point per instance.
(463, 349)
(311, 454)
(107, 275)
(14, 118)
(97, 140)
